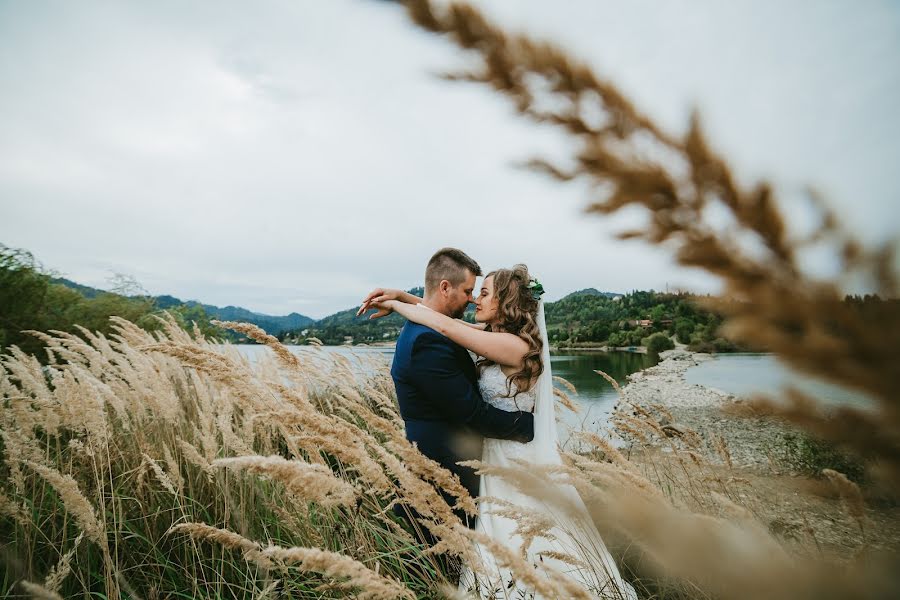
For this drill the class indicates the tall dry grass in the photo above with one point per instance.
(154, 465)
(141, 445)
(147, 465)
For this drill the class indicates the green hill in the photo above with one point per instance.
(337, 328)
(583, 318)
(593, 292)
(84, 290)
(273, 325)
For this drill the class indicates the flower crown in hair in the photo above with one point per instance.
(537, 289)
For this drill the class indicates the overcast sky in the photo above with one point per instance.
(288, 155)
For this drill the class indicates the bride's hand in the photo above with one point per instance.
(384, 308)
(379, 295)
(368, 300)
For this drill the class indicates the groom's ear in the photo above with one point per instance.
(444, 286)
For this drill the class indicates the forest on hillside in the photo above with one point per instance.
(584, 319)
(34, 299)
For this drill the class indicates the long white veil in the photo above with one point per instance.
(573, 534)
(545, 437)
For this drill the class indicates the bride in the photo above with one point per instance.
(510, 339)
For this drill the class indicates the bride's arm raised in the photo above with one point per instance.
(380, 295)
(505, 349)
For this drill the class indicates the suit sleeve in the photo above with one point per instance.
(439, 377)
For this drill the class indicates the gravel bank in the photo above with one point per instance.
(776, 474)
(752, 442)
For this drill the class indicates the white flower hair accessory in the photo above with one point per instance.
(537, 289)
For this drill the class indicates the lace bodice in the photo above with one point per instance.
(492, 384)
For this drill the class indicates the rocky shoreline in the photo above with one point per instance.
(774, 470)
(751, 442)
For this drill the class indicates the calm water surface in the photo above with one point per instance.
(595, 397)
(746, 374)
(740, 374)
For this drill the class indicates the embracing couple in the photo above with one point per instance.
(498, 409)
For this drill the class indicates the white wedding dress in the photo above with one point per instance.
(574, 533)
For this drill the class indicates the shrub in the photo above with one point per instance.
(659, 342)
(617, 338)
(723, 345)
(810, 455)
(701, 346)
(683, 330)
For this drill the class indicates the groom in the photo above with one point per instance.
(436, 380)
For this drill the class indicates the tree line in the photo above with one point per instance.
(587, 318)
(581, 319)
(32, 299)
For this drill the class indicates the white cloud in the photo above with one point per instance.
(290, 156)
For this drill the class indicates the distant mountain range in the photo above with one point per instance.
(271, 324)
(84, 290)
(276, 325)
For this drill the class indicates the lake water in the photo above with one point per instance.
(740, 374)
(746, 374)
(595, 397)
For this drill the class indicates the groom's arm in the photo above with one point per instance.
(438, 375)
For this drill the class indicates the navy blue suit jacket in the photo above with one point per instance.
(444, 412)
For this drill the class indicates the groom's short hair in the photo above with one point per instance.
(450, 264)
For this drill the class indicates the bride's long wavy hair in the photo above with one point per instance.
(517, 311)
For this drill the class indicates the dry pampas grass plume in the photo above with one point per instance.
(353, 574)
(309, 481)
(75, 502)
